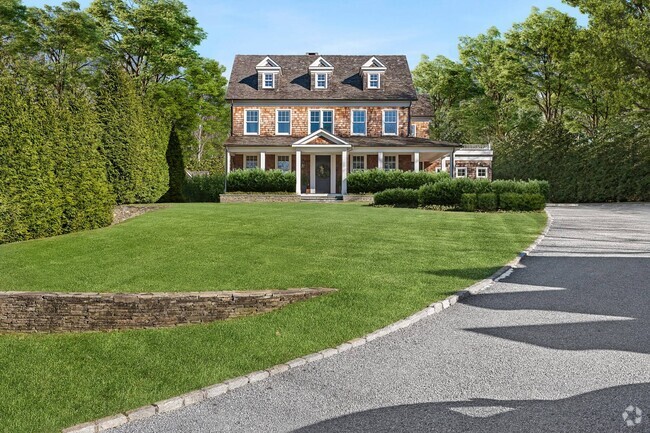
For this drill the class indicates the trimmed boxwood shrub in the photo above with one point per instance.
(521, 187)
(258, 180)
(203, 188)
(400, 197)
(487, 202)
(376, 180)
(468, 202)
(510, 201)
(446, 192)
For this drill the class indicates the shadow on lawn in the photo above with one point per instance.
(597, 411)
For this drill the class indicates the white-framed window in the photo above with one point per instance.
(421, 166)
(390, 162)
(461, 171)
(268, 80)
(358, 162)
(358, 122)
(321, 119)
(283, 162)
(481, 172)
(414, 130)
(373, 80)
(283, 122)
(321, 81)
(252, 122)
(251, 162)
(390, 122)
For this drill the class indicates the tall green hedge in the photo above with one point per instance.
(134, 141)
(377, 180)
(52, 177)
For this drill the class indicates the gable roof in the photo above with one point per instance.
(422, 107)
(345, 83)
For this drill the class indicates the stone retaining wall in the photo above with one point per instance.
(362, 198)
(254, 198)
(62, 312)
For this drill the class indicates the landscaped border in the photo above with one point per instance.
(198, 396)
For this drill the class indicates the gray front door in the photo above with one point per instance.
(323, 173)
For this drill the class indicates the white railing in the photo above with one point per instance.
(477, 146)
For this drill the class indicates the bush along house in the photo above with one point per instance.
(326, 116)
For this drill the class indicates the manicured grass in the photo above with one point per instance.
(386, 263)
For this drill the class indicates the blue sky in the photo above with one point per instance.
(410, 27)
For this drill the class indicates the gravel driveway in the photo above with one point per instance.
(561, 345)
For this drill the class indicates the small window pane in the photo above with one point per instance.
(321, 81)
(390, 122)
(359, 122)
(461, 171)
(390, 162)
(284, 163)
(251, 161)
(252, 122)
(268, 80)
(284, 122)
(314, 121)
(328, 121)
(358, 163)
(481, 172)
(374, 81)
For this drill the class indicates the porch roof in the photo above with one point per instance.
(386, 141)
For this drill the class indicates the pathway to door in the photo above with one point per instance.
(562, 345)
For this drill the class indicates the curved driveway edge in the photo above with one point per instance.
(194, 397)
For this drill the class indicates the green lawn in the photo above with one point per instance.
(387, 263)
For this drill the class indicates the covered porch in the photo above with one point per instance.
(323, 161)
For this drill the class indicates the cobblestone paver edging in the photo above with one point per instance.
(193, 397)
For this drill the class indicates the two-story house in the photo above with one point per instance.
(325, 116)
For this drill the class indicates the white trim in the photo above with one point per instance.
(262, 162)
(285, 154)
(264, 75)
(365, 115)
(298, 171)
(461, 168)
(246, 122)
(344, 172)
(414, 130)
(278, 124)
(365, 162)
(320, 64)
(486, 172)
(323, 134)
(394, 155)
(228, 161)
(380, 160)
(246, 155)
(321, 119)
(317, 103)
(416, 162)
(373, 65)
(378, 86)
(333, 173)
(312, 173)
(266, 64)
(326, 75)
(383, 121)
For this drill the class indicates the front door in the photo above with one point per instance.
(323, 173)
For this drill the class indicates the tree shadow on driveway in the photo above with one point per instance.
(603, 286)
(592, 412)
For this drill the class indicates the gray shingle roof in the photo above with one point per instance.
(345, 83)
(422, 107)
(256, 140)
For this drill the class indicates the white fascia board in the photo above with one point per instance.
(324, 103)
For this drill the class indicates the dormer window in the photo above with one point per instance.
(373, 80)
(321, 71)
(321, 81)
(371, 71)
(269, 80)
(267, 73)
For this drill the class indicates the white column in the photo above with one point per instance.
(298, 169)
(263, 160)
(380, 160)
(333, 174)
(344, 172)
(312, 173)
(228, 157)
(443, 164)
(416, 161)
